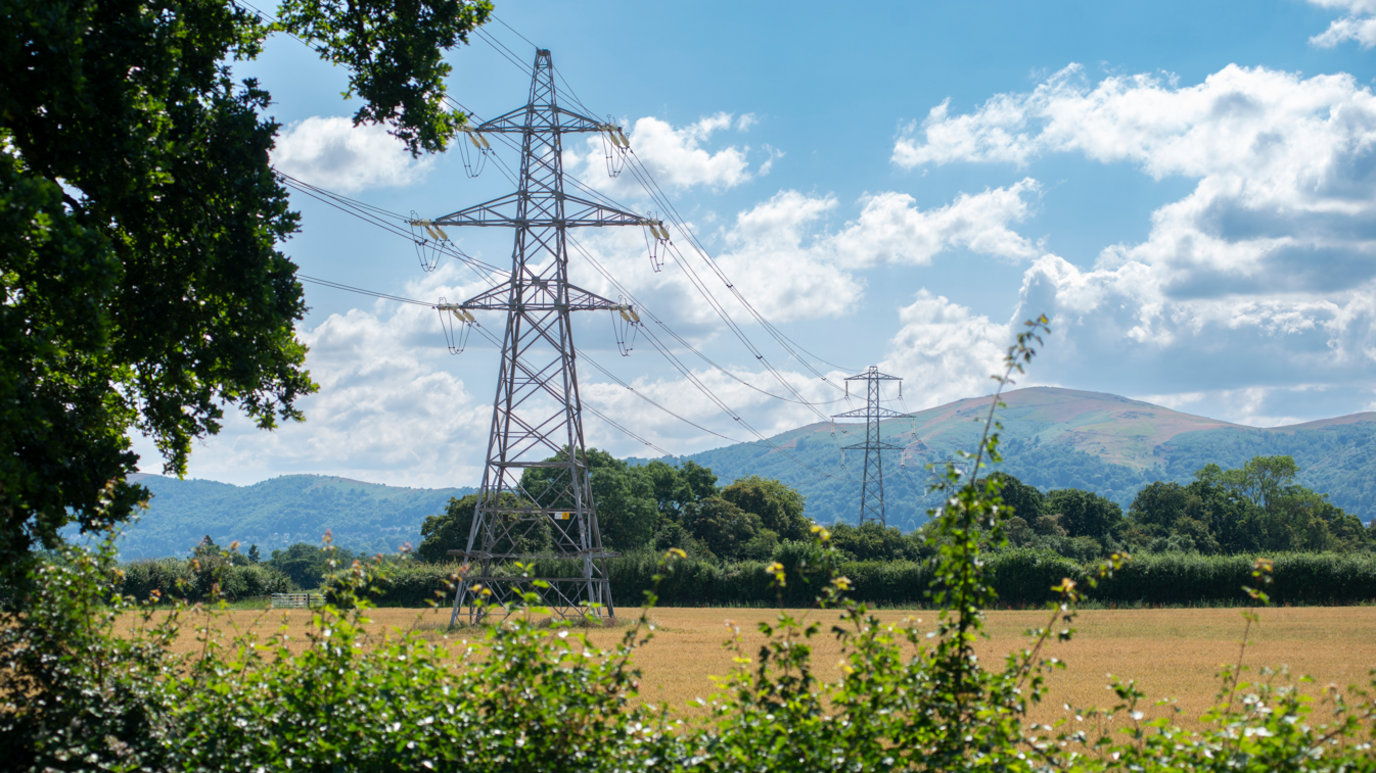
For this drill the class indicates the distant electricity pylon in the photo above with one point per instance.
(537, 413)
(872, 485)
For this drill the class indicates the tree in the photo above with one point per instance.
(871, 541)
(449, 531)
(722, 527)
(1027, 502)
(779, 507)
(1161, 503)
(624, 496)
(1084, 513)
(1246, 509)
(306, 565)
(677, 487)
(139, 218)
(1263, 479)
(626, 511)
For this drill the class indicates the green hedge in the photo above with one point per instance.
(1299, 578)
(174, 578)
(1022, 578)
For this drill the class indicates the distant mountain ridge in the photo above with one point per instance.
(279, 512)
(1052, 438)
(1055, 438)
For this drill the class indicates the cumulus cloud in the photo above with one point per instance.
(944, 350)
(1358, 23)
(1262, 276)
(392, 408)
(891, 229)
(780, 255)
(333, 153)
(676, 157)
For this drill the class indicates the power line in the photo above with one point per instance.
(361, 291)
(379, 217)
(642, 308)
(373, 215)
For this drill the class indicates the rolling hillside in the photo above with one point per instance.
(280, 512)
(1053, 438)
(1056, 438)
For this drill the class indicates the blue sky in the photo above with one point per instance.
(1186, 189)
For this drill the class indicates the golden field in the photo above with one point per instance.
(1171, 653)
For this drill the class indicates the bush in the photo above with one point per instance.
(174, 578)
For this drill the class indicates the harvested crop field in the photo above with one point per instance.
(1171, 653)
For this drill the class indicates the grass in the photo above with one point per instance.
(1173, 654)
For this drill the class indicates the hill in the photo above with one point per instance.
(280, 512)
(1054, 438)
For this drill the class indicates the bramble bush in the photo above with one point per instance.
(80, 693)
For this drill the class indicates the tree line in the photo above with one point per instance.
(1255, 508)
(649, 508)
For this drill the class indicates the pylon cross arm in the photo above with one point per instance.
(865, 413)
(545, 298)
(503, 212)
(564, 121)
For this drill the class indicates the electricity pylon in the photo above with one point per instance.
(872, 486)
(537, 413)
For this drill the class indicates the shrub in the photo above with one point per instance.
(174, 578)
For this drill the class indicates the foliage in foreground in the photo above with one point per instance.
(140, 222)
(528, 697)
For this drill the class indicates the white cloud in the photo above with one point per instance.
(779, 255)
(676, 158)
(333, 153)
(1266, 124)
(891, 230)
(1263, 275)
(1358, 24)
(390, 409)
(945, 351)
(1118, 328)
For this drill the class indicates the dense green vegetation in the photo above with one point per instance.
(1021, 577)
(1333, 459)
(1255, 508)
(654, 505)
(140, 224)
(1337, 459)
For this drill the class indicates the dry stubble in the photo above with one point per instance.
(1171, 653)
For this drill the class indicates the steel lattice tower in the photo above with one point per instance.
(537, 413)
(872, 486)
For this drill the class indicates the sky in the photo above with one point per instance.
(1187, 191)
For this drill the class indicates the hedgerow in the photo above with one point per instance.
(1021, 578)
(175, 578)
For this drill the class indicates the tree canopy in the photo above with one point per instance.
(140, 218)
(656, 505)
(1254, 507)
(779, 507)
